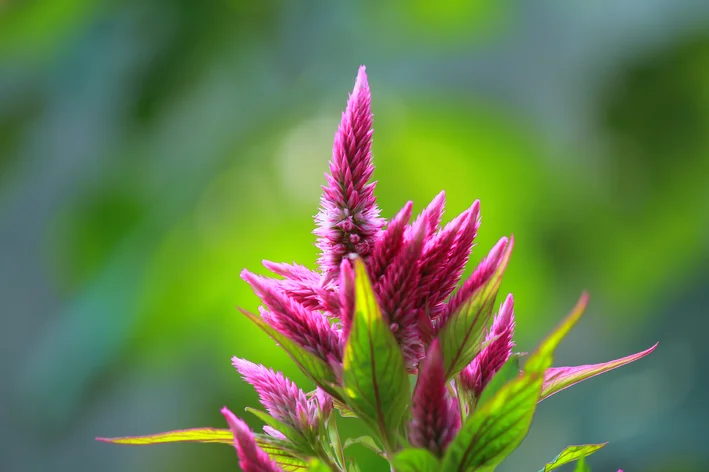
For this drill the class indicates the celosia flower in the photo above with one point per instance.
(279, 395)
(348, 220)
(435, 415)
(311, 329)
(414, 267)
(251, 457)
(475, 377)
(382, 302)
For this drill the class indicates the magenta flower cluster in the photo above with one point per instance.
(387, 301)
(414, 268)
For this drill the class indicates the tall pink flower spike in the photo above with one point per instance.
(348, 221)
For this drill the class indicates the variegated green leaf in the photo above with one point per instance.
(292, 434)
(415, 460)
(495, 429)
(375, 381)
(571, 454)
(462, 336)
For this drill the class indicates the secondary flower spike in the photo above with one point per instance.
(348, 221)
(251, 457)
(436, 418)
(281, 397)
(475, 377)
(311, 329)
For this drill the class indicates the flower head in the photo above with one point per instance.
(396, 284)
(475, 377)
(279, 395)
(348, 221)
(311, 329)
(436, 418)
(251, 457)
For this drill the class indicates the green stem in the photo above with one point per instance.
(461, 402)
(339, 450)
(325, 457)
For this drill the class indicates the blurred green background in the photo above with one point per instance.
(150, 150)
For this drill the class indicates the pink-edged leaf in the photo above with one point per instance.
(203, 435)
(557, 379)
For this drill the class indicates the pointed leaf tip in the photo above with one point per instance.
(203, 435)
(571, 454)
(557, 379)
(543, 357)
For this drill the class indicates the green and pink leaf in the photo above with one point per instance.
(570, 454)
(557, 379)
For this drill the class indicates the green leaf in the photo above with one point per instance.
(366, 441)
(352, 466)
(581, 466)
(311, 365)
(316, 465)
(292, 434)
(571, 454)
(375, 381)
(281, 452)
(344, 410)
(542, 358)
(415, 460)
(462, 336)
(495, 429)
(559, 378)
(203, 435)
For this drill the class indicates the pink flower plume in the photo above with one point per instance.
(311, 329)
(476, 375)
(348, 221)
(436, 418)
(251, 457)
(279, 395)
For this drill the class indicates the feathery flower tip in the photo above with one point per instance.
(251, 457)
(279, 395)
(348, 221)
(435, 416)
